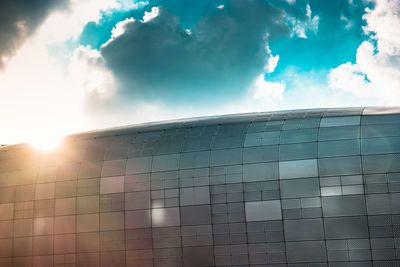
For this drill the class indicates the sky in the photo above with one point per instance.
(69, 66)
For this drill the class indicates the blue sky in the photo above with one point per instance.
(68, 66)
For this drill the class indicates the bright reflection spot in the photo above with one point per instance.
(158, 216)
(46, 142)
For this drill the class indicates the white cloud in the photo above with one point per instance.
(301, 27)
(151, 15)
(271, 63)
(383, 24)
(88, 72)
(348, 24)
(118, 30)
(37, 97)
(129, 4)
(266, 92)
(376, 72)
(45, 96)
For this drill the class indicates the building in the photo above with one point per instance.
(297, 188)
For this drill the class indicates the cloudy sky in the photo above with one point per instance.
(75, 65)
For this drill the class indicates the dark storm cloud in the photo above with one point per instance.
(19, 19)
(223, 53)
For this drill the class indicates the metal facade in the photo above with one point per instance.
(298, 188)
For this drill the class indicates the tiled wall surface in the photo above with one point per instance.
(302, 188)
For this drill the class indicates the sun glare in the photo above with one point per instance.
(46, 143)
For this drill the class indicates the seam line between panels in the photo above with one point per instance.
(365, 186)
(320, 191)
(243, 193)
(280, 194)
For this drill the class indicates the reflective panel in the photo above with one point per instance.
(290, 188)
(298, 169)
(263, 210)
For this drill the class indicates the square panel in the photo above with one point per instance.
(343, 206)
(298, 169)
(87, 223)
(65, 206)
(299, 188)
(194, 195)
(113, 167)
(263, 210)
(165, 217)
(112, 221)
(7, 211)
(43, 226)
(90, 169)
(137, 219)
(88, 204)
(306, 251)
(113, 184)
(260, 172)
(43, 245)
(195, 215)
(45, 191)
(165, 162)
(137, 200)
(304, 229)
(346, 227)
(65, 224)
(339, 166)
(66, 189)
(64, 244)
(138, 165)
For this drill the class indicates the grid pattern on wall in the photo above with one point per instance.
(300, 188)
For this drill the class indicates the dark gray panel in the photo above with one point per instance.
(339, 148)
(339, 166)
(226, 157)
(90, 169)
(195, 215)
(300, 188)
(137, 200)
(260, 154)
(383, 203)
(195, 195)
(195, 160)
(380, 119)
(198, 256)
(260, 172)
(381, 163)
(138, 165)
(263, 138)
(137, 219)
(380, 130)
(299, 136)
(165, 162)
(383, 145)
(304, 229)
(308, 251)
(298, 151)
(263, 210)
(339, 133)
(346, 227)
(343, 206)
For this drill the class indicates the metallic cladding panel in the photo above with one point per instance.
(298, 188)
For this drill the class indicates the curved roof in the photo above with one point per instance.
(229, 119)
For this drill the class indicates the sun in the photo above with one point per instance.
(46, 142)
